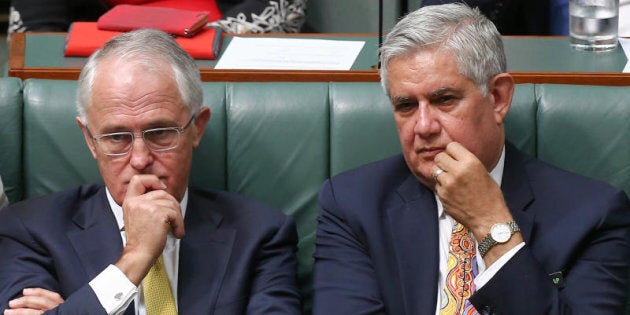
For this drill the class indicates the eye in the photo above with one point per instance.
(442, 100)
(117, 137)
(404, 107)
(161, 137)
(157, 133)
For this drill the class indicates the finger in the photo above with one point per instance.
(445, 162)
(36, 302)
(455, 158)
(177, 225)
(171, 210)
(140, 184)
(22, 311)
(162, 206)
(437, 172)
(457, 151)
(47, 294)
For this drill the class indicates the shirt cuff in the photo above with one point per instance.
(114, 290)
(482, 278)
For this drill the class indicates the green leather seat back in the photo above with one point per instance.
(362, 127)
(520, 123)
(586, 129)
(210, 158)
(11, 137)
(277, 137)
(55, 154)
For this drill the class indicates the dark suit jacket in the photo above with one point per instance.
(237, 256)
(377, 244)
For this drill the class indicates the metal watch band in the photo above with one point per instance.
(488, 242)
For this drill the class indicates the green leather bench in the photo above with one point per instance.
(277, 142)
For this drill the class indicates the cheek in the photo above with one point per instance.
(405, 129)
(112, 172)
(177, 167)
(472, 136)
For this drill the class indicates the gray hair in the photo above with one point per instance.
(146, 47)
(472, 39)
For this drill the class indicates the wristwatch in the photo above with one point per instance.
(499, 234)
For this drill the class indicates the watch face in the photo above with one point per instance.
(500, 232)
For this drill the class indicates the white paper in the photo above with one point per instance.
(289, 54)
(625, 45)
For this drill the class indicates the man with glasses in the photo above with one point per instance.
(92, 249)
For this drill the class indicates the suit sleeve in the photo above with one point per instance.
(25, 264)
(344, 277)
(594, 280)
(274, 289)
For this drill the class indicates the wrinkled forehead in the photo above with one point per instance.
(124, 89)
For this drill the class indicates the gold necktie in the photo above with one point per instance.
(459, 284)
(158, 297)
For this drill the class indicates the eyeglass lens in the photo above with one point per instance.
(160, 139)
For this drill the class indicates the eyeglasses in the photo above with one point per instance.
(156, 139)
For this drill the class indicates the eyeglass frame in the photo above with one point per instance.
(179, 130)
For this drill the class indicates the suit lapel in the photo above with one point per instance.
(517, 191)
(96, 239)
(414, 227)
(204, 255)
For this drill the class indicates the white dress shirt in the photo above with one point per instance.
(445, 222)
(113, 288)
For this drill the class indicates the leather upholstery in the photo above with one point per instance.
(277, 142)
(11, 137)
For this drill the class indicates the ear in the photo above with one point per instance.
(200, 124)
(502, 89)
(86, 136)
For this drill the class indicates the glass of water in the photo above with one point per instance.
(593, 24)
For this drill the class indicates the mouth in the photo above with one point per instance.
(429, 153)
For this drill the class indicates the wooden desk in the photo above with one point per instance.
(530, 60)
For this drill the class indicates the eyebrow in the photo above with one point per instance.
(153, 124)
(444, 90)
(400, 99)
(436, 93)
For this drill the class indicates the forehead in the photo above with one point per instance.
(126, 90)
(428, 70)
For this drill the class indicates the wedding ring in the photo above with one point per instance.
(437, 173)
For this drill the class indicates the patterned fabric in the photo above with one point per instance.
(280, 16)
(461, 270)
(15, 22)
(158, 297)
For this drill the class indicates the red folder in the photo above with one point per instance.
(128, 17)
(84, 38)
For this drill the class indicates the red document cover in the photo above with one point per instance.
(128, 17)
(84, 38)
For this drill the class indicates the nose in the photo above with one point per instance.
(426, 123)
(141, 155)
